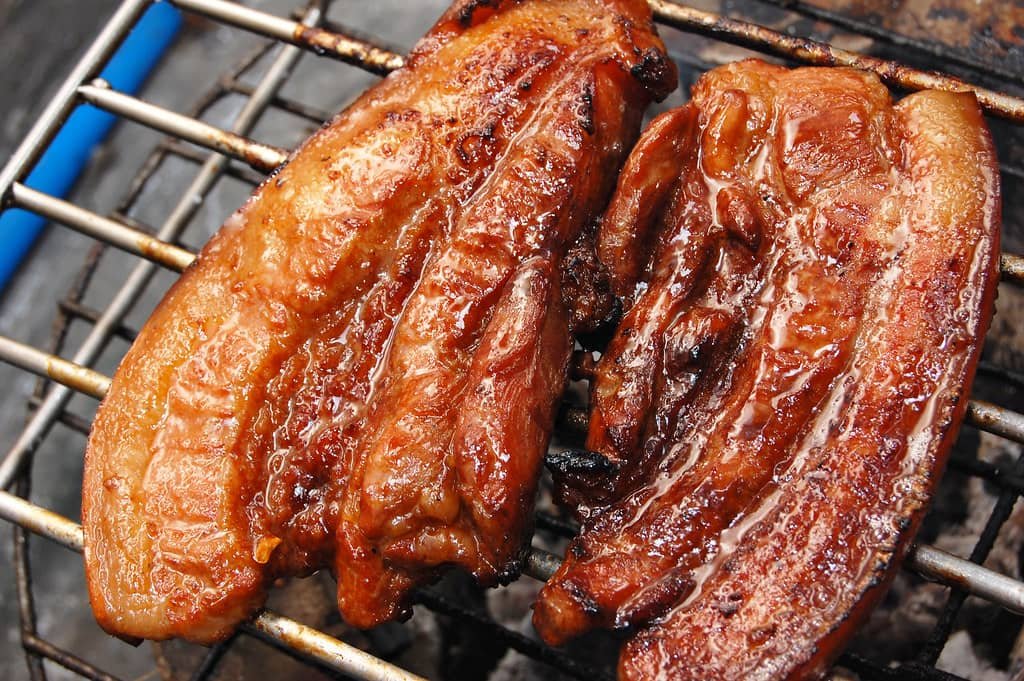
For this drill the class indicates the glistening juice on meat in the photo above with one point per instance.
(812, 270)
(360, 370)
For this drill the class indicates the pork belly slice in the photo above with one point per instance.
(810, 301)
(360, 369)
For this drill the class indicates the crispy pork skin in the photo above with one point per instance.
(811, 297)
(360, 369)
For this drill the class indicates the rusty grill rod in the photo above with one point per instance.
(104, 229)
(904, 42)
(949, 569)
(351, 50)
(377, 59)
(1011, 267)
(307, 641)
(672, 14)
(262, 157)
(753, 36)
(266, 158)
(212, 167)
(926, 560)
(57, 111)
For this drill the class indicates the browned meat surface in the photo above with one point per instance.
(361, 368)
(587, 288)
(810, 302)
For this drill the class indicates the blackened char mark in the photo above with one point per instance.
(594, 311)
(580, 461)
(585, 107)
(580, 469)
(470, 13)
(649, 64)
(653, 71)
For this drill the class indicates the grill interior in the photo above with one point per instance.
(199, 172)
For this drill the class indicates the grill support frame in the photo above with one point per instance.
(161, 249)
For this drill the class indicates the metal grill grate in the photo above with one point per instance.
(235, 155)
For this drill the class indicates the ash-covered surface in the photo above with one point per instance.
(41, 41)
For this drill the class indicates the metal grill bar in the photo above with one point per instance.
(75, 376)
(73, 421)
(317, 645)
(929, 561)
(924, 47)
(212, 659)
(310, 113)
(1011, 267)
(765, 40)
(26, 603)
(186, 152)
(41, 521)
(352, 50)
(63, 102)
(1005, 502)
(678, 16)
(867, 669)
(286, 649)
(945, 568)
(104, 229)
(70, 662)
(110, 320)
(996, 420)
(992, 473)
(541, 564)
(260, 156)
(76, 310)
(306, 640)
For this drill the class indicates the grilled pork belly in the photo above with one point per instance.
(361, 368)
(813, 270)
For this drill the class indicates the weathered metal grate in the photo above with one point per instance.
(233, 154)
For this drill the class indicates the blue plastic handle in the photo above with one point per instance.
(62, 162)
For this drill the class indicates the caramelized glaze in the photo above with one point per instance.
(361, 368)
(810, 302)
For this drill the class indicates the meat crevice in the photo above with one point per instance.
(812, 270)
(360, 370)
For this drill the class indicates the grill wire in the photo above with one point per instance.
(61, 379)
